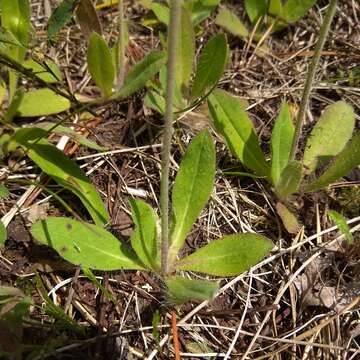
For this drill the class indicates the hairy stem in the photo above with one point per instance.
(120, 56)
(175, 13)
(324, 31)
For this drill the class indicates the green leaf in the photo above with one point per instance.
(192, 188)
(232, 122)
(293, 10)
(155, 101)
(288, 219)
(343, 163)
(230, 22)
(2, 90)
(64, 171)
(330, 135)
(63, 130)
(60, 17)
(15, 17)
(4, 192)
(87, 18)
(211, 65)
(281, 142)
(84, 244)
(100, 63)
(3, 233)
(275, 8)
(181, 290)
(185, 52)
(200, 9)
(41, 102)
(161, 12)
(341, 223)
(289, 180)
(141, 72)
(255, 9)
(228, 256)
(48, 71)
(13, 108)
(144, 239)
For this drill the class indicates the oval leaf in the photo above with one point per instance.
(144, 238)
(290, 179)
(232, 122)
(141, 72)
(211, 65)
(64, 171)
(100, 63)
(181, 290)
(347, 160)
(341, 223)
(330, 135)
(192, 188)
(230, 22)
(84, 244)
(42, 102)
(229, 256)
(281, 142)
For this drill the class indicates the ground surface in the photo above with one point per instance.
(299, 302)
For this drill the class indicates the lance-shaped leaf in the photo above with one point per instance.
(192, 188)
(141, 72)
(3, 233)
(60, 17)
(230, 22)
(181, 290)
(281, 141)
(41, 102)
(289, 180)
(255, 9)
(228, 256)
(63, 130)
(343, 163)
(329, 136)
(211, 65)
(341, 223)
(100, 63)
(185, 51)
(62, 169)
(232, 122)
(144, 239)
(84, 244)
(161, 12)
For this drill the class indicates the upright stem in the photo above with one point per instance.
(324, 31)
(121, 46)
(173, 30)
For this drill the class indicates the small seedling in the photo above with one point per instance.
(157, 249)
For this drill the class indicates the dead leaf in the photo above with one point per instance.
(87, 18)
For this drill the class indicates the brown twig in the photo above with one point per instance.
(175, 335)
